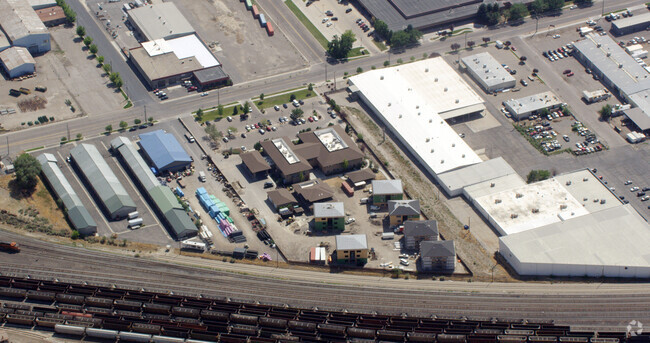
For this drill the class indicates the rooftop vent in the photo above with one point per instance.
(519, 195)
(389, 104)
(585, 179)
(493, 184)
(381, 77)
(585, 199)
(596, 200)
(400, 116)
(432, 151)
(563, 207)
(453, 145)
(535, 210)
(497, 201)
(513, 216)
(428, 139)
(435, 80)
(426, 70)
(446, 89)
(602, 201)
(457, 100)
(442, 161)
(568, 183)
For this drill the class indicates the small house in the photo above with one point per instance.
(438, 255)
(400, 211)
(329, 216)
(417, 231)
(352, 249)
(384, 190)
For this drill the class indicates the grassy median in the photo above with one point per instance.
(308, 24)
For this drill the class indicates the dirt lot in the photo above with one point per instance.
(240, 44)
(69, 74)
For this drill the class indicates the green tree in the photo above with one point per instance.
(340, 47)
(605, 112)
(88, 40)
(123, 125)
(109, 128)
(381, 28)
(555, 5)
(493, 18)
(199, 114)
(262, 96)
(345, 164)
(70, 16)
(213, 133)
(310, 87)
(257, 146)
(79, 136)
(220, 110)
(538, 6)
(93, 49)
(296, 113)
(386, 63)
(100, 59)
(107, 68)
(27, 170)
(246, 107)
(359, 70)
(81, 31)
(150, 120)
(471, 43)
(517, 12)
(137, 121)
(481, 14)
(75, 234)
(399, 39)
(455, 46)
(583, 2)
(538, 175)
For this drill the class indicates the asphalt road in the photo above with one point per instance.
(595, 305)
(51, 134)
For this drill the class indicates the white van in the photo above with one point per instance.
(498, 44)
(202, 176)
(189, 138)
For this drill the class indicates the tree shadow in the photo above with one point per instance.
(17, 193)
(77, 39)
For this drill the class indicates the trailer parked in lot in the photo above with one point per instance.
(262, 20)
(135, 222)
(256, 12)
(269, 29)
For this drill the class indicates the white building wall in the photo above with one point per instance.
(26, 68)
(35, 43)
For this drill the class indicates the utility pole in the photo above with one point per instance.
(536, 22)
(145, 114)
(603, 8)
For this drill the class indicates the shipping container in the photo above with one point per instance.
(256, 12)
(262, 20)
(248, 3)
(347, 189)
(134, 222)
(269, 29)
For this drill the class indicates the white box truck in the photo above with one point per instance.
(202, 176)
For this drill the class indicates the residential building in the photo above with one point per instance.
(438, 255)
(385, 190)
(313, 191)
(164, 151)
(329, 216)
(352, 249)
(360, 178)
(282, 198)
(255, 163)
(400, 211)
(290, 166)
(418, 231)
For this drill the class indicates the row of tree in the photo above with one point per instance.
(115, 78)
(70, 15)
(397, 39)
(492, 14)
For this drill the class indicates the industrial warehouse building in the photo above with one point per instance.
(488, 72)
(23, 27)
(164, 151)
(52, 16)
(164, 62)
(619, 72)
(74, 207)
(17, 61)
(165, 204)
(160, 21)
(113, 197)
(399, 14)
(523, 108)
(413, 101)
(629, 25)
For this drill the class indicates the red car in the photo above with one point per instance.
(310, 119)
(257, 126)
(268, 128)
(193, 88)
(570, 74)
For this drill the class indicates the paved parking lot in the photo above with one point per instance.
(152, 232)
(346, 16)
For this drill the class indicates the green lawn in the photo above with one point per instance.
(227, 111)
(356, 52)
(380, 45)
(308, 24)
(270, 101)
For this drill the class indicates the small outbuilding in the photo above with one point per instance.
(17, 61)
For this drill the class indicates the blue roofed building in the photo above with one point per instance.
(164, 151)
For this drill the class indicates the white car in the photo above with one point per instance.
(628, 182)
(404, 261)
(276, 107)
(262, 131)
(634, 189)
(204, 93)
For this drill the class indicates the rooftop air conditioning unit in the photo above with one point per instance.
(535, 210)
(563, 207)
(381, 77)
(493, 184)
(426, 70)
(568, 183)
(513, 216)
(585, 179)
(432, 151)
(435, 80)
(457, 100)
(428, 139)
(596, 200)
(519, 195)
(446, 89)
(453, 145)
(497, 201)
(602, 201)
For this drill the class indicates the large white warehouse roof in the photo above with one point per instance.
(410, 97)
(612, 242)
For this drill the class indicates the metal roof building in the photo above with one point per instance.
(75, 209)
(414, 101)
(17, 61)
(351, 242)
(522, 108)
(456, 180)
(165, 203)
(631, 24)
(329, 210)
(112, 195)
(387, 187)
(488, 72)
(23, 26)
(609, 243)
(617, 70)
(162, 20)
(164, 151)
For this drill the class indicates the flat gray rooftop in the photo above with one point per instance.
(398, 14)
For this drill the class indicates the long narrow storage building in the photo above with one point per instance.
(167, 207)
(113, 197)
(77, 214)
